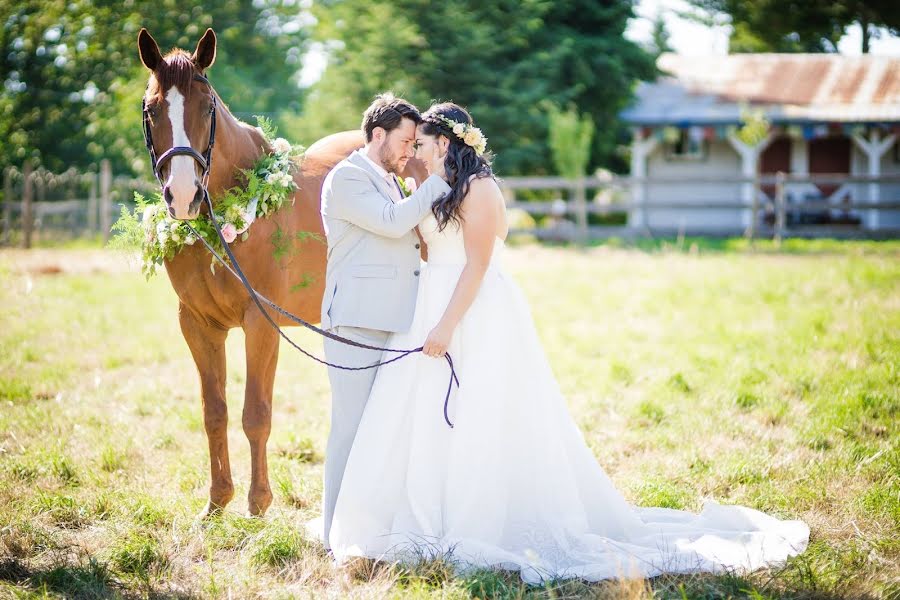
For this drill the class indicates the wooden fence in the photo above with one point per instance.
(564, 212)
(40, 204)
(37, 203)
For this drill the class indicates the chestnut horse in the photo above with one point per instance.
(179, 103)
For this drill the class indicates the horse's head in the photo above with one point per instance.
(179, 121)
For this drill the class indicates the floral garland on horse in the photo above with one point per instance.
(268, 184)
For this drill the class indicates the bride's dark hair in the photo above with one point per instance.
(460, 163)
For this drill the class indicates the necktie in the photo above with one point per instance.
(396, 194)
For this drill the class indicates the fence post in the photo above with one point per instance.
(27, 216)
(779, 207)
(7, 206)
(581, 210)
(105, 199)
(754, 209)
(92, 204)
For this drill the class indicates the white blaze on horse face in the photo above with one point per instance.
(182, 181)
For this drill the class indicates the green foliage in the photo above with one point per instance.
(772, 26)
(570, 140)
(72, 80)
(754, 128)
(160, 237)
(501, 60)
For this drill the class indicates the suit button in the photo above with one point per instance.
(416, 272)
(417, 246)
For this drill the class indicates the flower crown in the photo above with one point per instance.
(469, 134)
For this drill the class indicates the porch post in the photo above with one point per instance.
(749, 167)
(640, 150)
(874, 148)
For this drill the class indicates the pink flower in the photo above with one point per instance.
(229, 232)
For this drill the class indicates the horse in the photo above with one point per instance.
(183, 114)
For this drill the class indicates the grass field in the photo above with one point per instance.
(766, 377)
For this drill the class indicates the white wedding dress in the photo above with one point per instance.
(512, 485)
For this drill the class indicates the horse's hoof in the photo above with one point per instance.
(257, 507)
(211, 510)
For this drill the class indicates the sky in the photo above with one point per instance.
(693, 39)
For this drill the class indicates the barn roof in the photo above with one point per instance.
(790, 88)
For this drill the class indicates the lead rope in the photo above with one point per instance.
(259, 299)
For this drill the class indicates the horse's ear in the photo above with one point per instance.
(205, 54)
(149, 50)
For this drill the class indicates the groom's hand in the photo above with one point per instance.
(437, 342)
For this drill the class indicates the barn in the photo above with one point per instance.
(823, 114)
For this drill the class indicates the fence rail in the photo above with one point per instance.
(88, 202)
(37, 202)
(775, 217)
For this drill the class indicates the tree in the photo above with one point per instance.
(72, 80)
(798, 25)
(500, 59)
(660, 36)
(570, 141)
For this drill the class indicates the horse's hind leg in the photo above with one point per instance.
(207, 344)
(262, 358)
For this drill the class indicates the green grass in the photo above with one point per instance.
(697, 369)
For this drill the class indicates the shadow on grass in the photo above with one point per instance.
(86, 580)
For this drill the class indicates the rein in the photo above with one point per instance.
(259, 299)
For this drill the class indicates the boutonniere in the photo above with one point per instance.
(407, 186)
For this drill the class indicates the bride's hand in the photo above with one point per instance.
(436, 164)
(437, 342)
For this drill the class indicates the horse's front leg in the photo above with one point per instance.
(207, 345)
(262, 358)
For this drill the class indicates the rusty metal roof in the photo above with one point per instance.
(788, 87)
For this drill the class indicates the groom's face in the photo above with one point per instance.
(398, 146)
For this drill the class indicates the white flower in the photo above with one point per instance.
(281, 145)
(149, 212)
(162, 233)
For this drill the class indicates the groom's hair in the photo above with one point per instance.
(386, 111)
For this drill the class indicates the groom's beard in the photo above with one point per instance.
(390, 162)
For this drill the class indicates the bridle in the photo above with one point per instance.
(204, 160)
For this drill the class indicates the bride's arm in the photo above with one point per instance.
(479, 226)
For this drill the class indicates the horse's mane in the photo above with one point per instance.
(176, 69)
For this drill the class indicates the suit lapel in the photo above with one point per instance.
(360, 161)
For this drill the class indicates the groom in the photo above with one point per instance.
(373, 266)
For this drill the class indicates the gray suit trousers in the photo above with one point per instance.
(349, 394)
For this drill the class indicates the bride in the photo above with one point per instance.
(512, 484)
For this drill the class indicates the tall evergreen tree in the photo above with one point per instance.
(504, 60)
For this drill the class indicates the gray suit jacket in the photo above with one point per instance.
(373, 253)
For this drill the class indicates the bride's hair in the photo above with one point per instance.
(460, 163)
